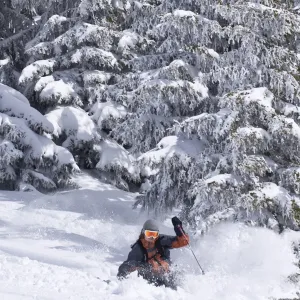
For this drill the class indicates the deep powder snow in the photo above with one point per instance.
(64, 246)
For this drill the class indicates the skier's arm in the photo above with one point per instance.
(174, 241)
(180, 240)
(133, 262)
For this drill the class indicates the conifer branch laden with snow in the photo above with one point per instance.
(27, 155)
(71, 63)
(250, 144)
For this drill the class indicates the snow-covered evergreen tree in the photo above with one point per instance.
(244, 57)
(204, 94)
(19, 22)
(27, 155)
(71, 62)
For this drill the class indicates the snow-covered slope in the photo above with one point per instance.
(64, 246)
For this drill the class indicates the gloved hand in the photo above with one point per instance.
(177, 226)
(176, 222)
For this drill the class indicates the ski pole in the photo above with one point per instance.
(192, 250)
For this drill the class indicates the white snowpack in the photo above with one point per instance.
(197, 85)
(155, 74)
(200, 87)
(73, 121)
(289, 123)
(119, 4)
(63, 155)
(42, 48)
(129, 40)
(37, 18)
(183, 13)
(67, 245)
(58, 90)
(4, 62)
(262, 7)
(39, 145)
(41, 177)
(8, 152)
(259, 132)
(93, 53)
(104, 110)
(289, 109)
(278, 194)
(81, 34)
(42, 35)
(213, 53)
(42, 82)
(37, 69)
(222, 178)
(167, 148)
(83, 8)
(11, 105)
(96, 76)
(6, 91)
(297, 7)
(115, 156)
(295, 127)
(260, 95)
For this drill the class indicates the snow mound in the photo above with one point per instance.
(59, 92)
(128, 40)
(166, 149)
(183, 13)
(102, 111)
(11, 105)
(74, 122)
(42, 83)
(7, 91)
(114, 156)
(171, 145)
(36, 70)
(95, 76)
(39, 147)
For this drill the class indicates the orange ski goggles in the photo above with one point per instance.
(151, 234)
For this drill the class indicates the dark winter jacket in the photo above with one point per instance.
(151, 259)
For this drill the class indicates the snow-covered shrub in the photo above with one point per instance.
(26, 154)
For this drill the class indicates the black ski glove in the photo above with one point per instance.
(177, 226)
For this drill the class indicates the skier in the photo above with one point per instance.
(150, 255)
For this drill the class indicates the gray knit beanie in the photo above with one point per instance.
(151, 225)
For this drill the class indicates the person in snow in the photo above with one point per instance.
(150, 255)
